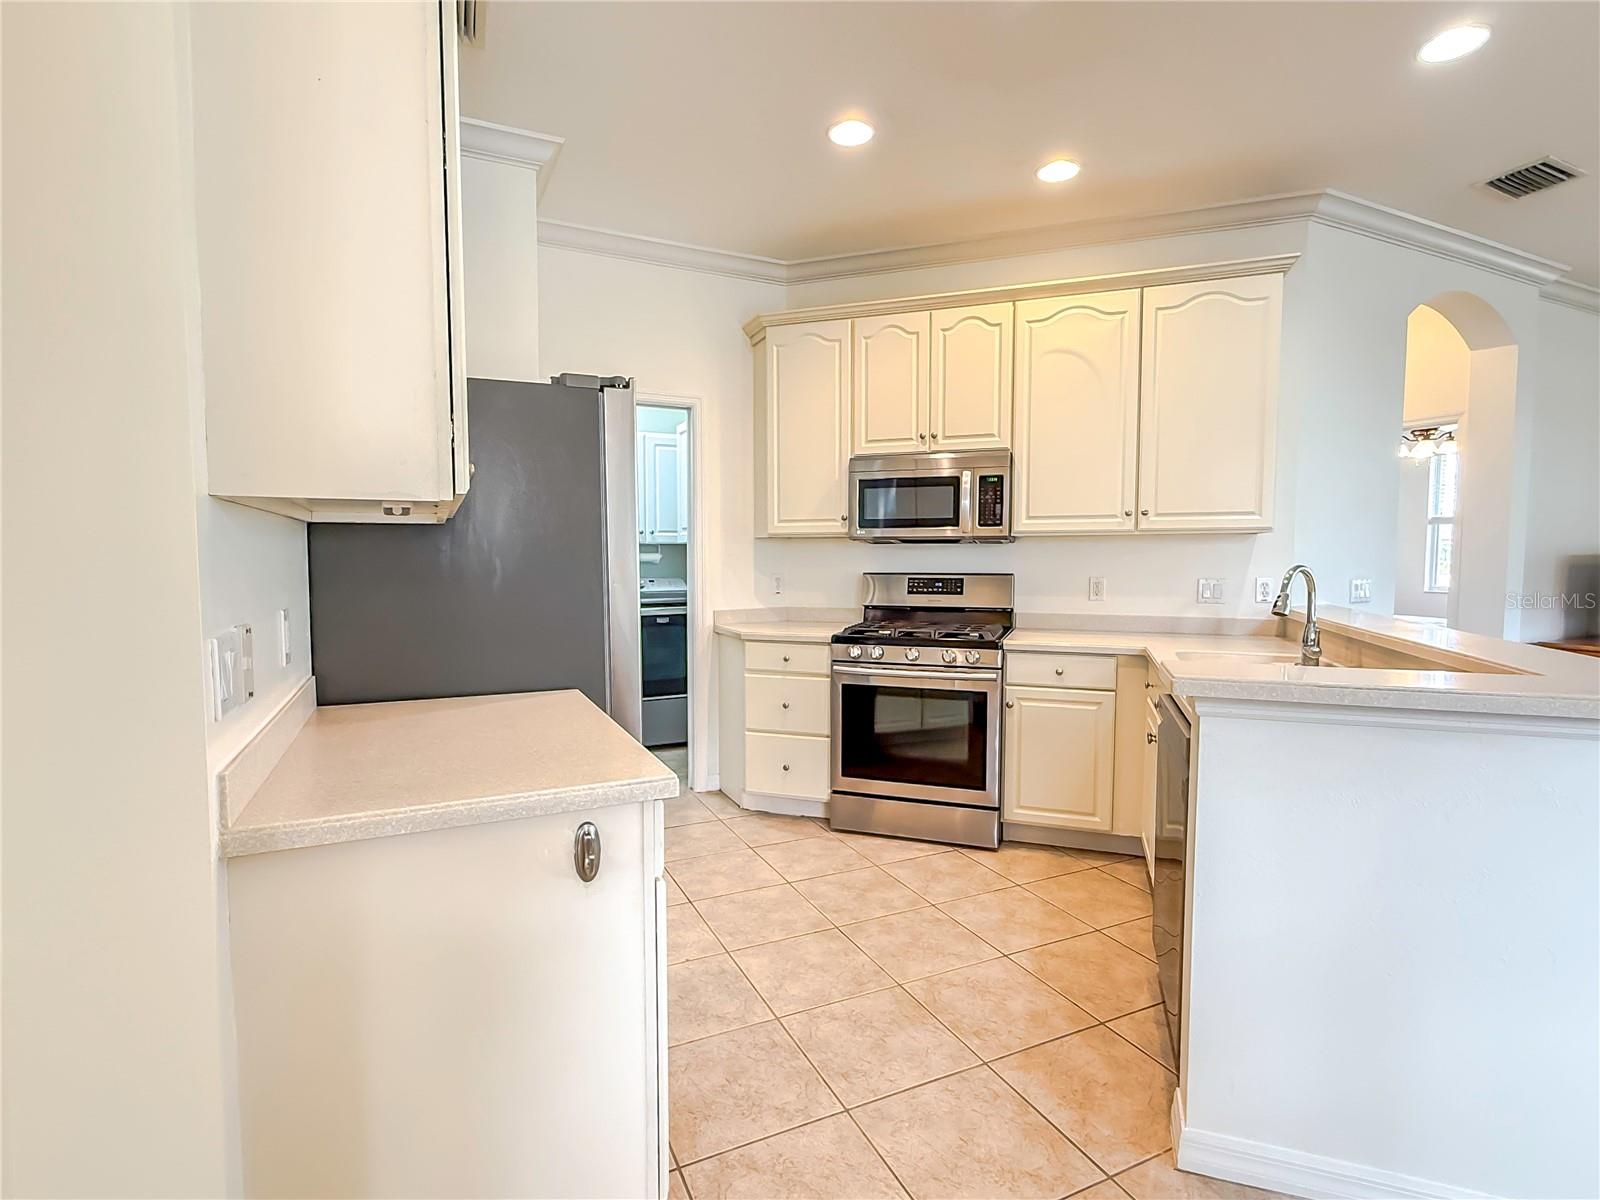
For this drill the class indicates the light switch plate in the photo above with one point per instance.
(285, 655)
(1097, 587)
(1264, 592)
(1209, 591)
(1361, 591)
(230, 660)
(777, 585)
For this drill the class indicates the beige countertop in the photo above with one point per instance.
(372, 770)
(1474, 673)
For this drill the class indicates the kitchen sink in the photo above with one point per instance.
(1239, 657)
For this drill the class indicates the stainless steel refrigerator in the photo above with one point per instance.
(532, 585)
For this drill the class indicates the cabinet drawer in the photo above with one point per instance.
(787, 658)
(784, 765)
(786, 704)
(1062, 670)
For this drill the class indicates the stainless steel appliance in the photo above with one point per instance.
(664, 652)
(533, 585)
(956, 496)
(916, 709)
(1171, 853)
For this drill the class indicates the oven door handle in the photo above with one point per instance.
(897, 673)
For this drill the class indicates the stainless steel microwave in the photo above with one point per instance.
(956, 496)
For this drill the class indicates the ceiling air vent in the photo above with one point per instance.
(1534, 177)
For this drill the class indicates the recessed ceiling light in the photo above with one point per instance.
(850, 133)
(1058, 170)
(1455, 42)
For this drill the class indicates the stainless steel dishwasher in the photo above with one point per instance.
(1171, 850)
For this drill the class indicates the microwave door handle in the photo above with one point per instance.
(966, 503)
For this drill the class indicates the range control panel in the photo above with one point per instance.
(935, 585)
(991, 501)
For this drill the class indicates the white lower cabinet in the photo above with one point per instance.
(453, 1013)
(782, 765)
(1058, 751)
(774, 721)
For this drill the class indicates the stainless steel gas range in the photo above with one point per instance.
(916, 709)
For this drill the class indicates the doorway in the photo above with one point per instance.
(663, 465)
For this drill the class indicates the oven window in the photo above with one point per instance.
(918, 502)
(664, 653)
(926, 736)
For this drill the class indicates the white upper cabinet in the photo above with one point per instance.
(1208, 404)
(659, 479)
(327, 200)
(891, 384)
(803, 436)
(1077, 414)
(970, 380)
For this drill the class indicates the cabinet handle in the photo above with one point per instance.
(922, 437)
(1061, 670)
(1150, 737)
(1144, 512)
(786, 704)
(785, 766)
(1127, 512)
(785, 658)
(1011, 703)
(843, 517)
(586, 851)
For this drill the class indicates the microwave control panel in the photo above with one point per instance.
(991, 501)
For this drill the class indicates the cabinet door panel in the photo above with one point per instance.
(451, 1013)
(891, 383)
(807, 427)
(328, 297)
(1077, 413)
(1059, 747)
(1208, 404)
(970, 385)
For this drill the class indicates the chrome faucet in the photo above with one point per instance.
(1311, 637)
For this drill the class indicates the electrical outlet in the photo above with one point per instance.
(1097, 587)
(777, 585)
(1361, 591)
(285, 655)
(1264, 592)
(1210, 591)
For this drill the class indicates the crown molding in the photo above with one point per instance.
(1330, 208)
(660, 252)
(755, 328)
(1573, 294)
(515, 147)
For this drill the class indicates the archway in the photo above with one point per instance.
(1463, 525)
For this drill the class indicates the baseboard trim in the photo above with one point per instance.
(1298, 1172)
(786, 806)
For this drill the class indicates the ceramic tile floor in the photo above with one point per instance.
(854, 1016)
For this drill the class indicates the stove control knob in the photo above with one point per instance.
(949, 656)
(855, 651)
(875, 652)
(974, 657)
(912, 654)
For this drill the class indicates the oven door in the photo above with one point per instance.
(929, 735)
(922, 505)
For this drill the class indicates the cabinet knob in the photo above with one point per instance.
(1150, 737)
(785, 766)
(922, 437)
(1061, 670)
(845, 518)
(785, 658)
(586, 851)
(1127, 512)
(1144, 512)
(1011, 703)
(786, 704)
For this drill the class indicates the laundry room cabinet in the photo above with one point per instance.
(327, 200)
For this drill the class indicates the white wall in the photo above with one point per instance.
(499, 207)
(115, 1067)
(1563, 547)
(1437, 370)
(1393, 962)
(677, 333)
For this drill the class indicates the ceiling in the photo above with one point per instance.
(705, 123)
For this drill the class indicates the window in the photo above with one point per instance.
(1444, 470)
